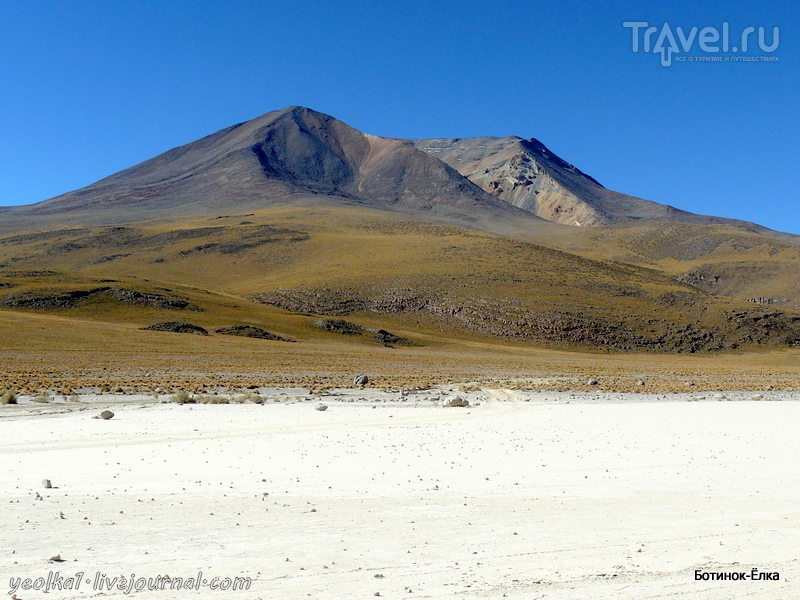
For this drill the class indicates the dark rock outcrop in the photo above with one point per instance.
(176, 327)
(510, 319)
(339, 326)
(251, 332)
(75, 298)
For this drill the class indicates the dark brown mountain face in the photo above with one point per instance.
(318, 154)
(311, 150)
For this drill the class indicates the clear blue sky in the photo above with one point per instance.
(90, 88)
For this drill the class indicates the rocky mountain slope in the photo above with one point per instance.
(526, 174)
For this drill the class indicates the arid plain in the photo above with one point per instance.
(628, 377)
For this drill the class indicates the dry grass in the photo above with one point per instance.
(471, 285)
(374, 254)
(212, 399)
(183, 398)
(186, 398)
(97, 354)
(251, 397)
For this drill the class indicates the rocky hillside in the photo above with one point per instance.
(526, 174)
(444, 237)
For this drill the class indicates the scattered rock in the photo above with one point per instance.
(106, 414)
(688, 384)
(46, 483)
(640, 382)
(252, 332)
(321, 302)
(361, 380)
(155, 300)
(388, 338)
(339, 326)
(56, 558)
(592, 382)
(456, 402)
(343, 327)
(176, 327)
(321, 407)
(75, 298)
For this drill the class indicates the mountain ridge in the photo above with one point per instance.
(526, 174)
(286, 156)
(305, 163)
(297, 155)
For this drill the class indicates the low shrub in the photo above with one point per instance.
(183, 397)
(212, 399)
(254, 398)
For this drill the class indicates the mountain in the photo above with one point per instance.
(294, 156)
(526, 174)
(293, 217)
(300, 156)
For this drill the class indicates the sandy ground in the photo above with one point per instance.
(524, 495)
